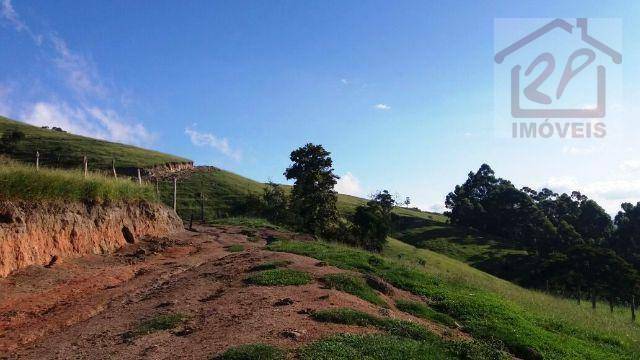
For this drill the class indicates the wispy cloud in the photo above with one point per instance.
(92, 118)
(10, 16)
(630, 166)
(383, 107)
(580, 150)
(349, 184)
(80, 74)
(208, 139)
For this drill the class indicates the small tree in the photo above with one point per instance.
(385, 200)
(313, 199)
(372, 222)
(275, 203)
(371, 226)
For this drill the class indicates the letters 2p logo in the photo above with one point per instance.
(556, 78)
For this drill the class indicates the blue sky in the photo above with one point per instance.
(401, 93)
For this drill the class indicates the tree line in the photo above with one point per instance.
(574, 247)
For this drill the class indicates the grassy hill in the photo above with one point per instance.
(61, 149)
(529, 324)
(226, 193)
(467, 245)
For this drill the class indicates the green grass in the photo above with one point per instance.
(392, 326)
(252, 352)
(354, 285)
(279, 277)
(617, 325)
(487, 315)
(389, 347)
(423, 311)
(58, 149)
(378, 347)
(271, 265)
(25, 183)
(159, 323)
(403, 340)
(460, 243)
(235, 248)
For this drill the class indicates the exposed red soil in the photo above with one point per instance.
(86, 307)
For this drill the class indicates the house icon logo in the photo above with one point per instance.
(556, 71)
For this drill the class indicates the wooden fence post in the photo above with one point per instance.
(113, 166)
(139, 178)
(37, 160)
(175, 193)
(86, 165)
(633, 308)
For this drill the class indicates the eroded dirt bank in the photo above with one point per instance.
(41, 233)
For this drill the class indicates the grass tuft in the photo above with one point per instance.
(279, 277)
(392, 326)
(271, 265)
(235, 248)
(421, 310)
(159, 323)
(353, 285)
(252, 352)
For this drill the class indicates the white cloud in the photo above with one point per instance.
(211, 140)
(349, 184)
(93, 122)
(382, 107)
(630, 166)
(608, 193)
(80, 74)
(437, 208)
(119, 129)
(344, 81)
(580, 150)
(8, 13)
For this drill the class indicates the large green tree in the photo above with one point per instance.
(313, 199)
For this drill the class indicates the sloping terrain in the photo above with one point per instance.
(61, 149)
(190, 296)
(200, 293)
(470, 246)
